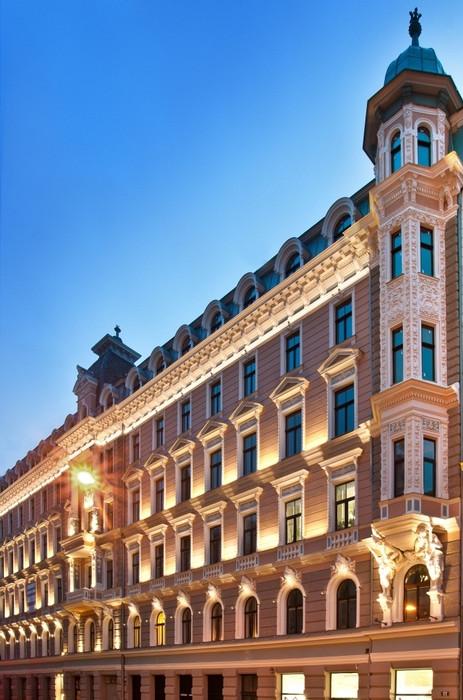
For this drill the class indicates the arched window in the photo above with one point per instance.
(424, 146)
(90, 636)
(249, 297)
(396, 152)
(109, 401)
(346, 605)
(160, 629)
(136, 385)
(250, 618)
(137, 632)
(216, 623)
(110, 634)
(160, 365)
(416, 599)
(186, 345)
(342, 225)
(186, 626)
(294, 612)
(217, 321)
(293, 264)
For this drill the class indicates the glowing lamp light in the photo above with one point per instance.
(85, 477)
(410, 607)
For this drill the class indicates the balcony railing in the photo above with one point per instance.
(157, 583)
(249, 561)
(183, 578)
(81, 594)
(342, 538)
(290, 551)
(213, 571)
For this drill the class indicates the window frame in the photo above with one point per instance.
(396, 250)
(432, 347)
(349, 299)
(250, 360)
(429, 248)
(214, 401)
(397, 350)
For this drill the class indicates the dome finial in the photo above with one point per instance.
(415, 27)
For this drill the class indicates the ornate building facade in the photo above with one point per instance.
(269, 505)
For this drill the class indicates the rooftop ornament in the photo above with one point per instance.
(415, 27)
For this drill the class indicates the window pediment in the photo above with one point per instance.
(294, 479)
(288, 388)
(211, 430)
(340, 361)
(347, 461)
(132, 474)
(182, 447)
(246, 410)
(157, 460)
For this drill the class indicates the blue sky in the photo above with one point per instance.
(153, 152)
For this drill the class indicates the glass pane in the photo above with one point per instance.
(344, 685)
(414, 681)
(292, 686)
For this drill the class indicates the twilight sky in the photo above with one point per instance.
(154, 151)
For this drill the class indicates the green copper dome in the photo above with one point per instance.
(415, 57)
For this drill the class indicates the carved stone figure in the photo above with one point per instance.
(429, 549)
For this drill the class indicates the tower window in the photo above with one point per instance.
(399, 467)
(428, 363)
(426, 252)
(397, 355)
(396, 152)
(424, 146)
(429, 467)
(396, 254)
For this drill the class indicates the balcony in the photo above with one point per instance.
(213, 571)
(82, 594)
(342, 538)
(111, 593)
(290, 551)
(183, 578)
(249, 561)
(157, 583)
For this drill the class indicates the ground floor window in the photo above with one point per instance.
(249, 686)
(160, 687)
(413, 684)
(292, 686)
(344, 686)
(185, 687)
(215, 687)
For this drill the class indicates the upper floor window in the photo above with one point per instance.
(294, 612)
(137, 632)
(159, 561)
(215, 465)
(160, 629)
(250, 533)
(293, 433)
(426, 252)
(217, 321)
(249, 297)
(186, 626)
(399, 467)
(160, 365)
(185, 483)
(249, 453)
(397, 355)
(135, 446)
(215, 544)
(293, 521)
(250, 618)
(186, 345)
(43, 545)
(136, 567)
(428, 363)
(424, 146)
(185, 553)
(249, 377)
(343, 320)
(216, 623)
(159, 432)
(293, 264)
(343, 224)
(293, 351)
(159, 495)
(396, 254)
(345, 505)
(396, 152)
(416, 598)
(109, 573)
(135, 504)
(344, 410)
(215, 397)
(429, 467)
(346, 605)
(110, 629)
(185, 416)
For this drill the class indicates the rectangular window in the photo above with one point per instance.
(343, 321)
(215, 544)
(20, 557)
(159, 432)
(413, 684)
(32, 508)
(185, 483)
(399, 468)
(31, 552)
(185, 687)
(10, 562)
(10, 522)
(397, 355)
(249, 686)
(344, 410)
(30, 595)
(136, 567)
(43, 545)
(20, 517)
(293, 521)
(109, 573)
(135, 447)
(249, 454)
(59, 590)
(215, 466)
(345, 505)
(344, 686)
(44, 500)
(250, 533)
(159, 495)
(2, 567)
(426, 252)
(159, 561)
(185, 416)
(215, 397)
(293, 351)
(292, 686)
(293, 433)
(428, 362)
(396, 254)
(185, 553)
(45, 595)
(249, 377)
(160, 687)
(108, 515)
(429, 467)
(135, 504)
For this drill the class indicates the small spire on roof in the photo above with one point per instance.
(117, 330)
(415, 27)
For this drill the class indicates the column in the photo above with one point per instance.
(315, 683)
(199, 685)
(147, 691)
(231, 689)
(266, 685)
(172, 686)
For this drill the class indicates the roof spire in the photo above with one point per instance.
(415, 27)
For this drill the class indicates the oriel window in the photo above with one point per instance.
(429, 467)
(397, 355)
(396, 254)
(396, 152)
(399, 468)
(426, 252)
(428, 363)
(424, 146)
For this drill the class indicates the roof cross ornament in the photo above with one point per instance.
(117, 330)
(415, 27)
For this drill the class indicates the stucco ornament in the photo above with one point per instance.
(247, 586)
(212, 592)
(290, 577)
(387, 557)
(342, 566)
(428, 548)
